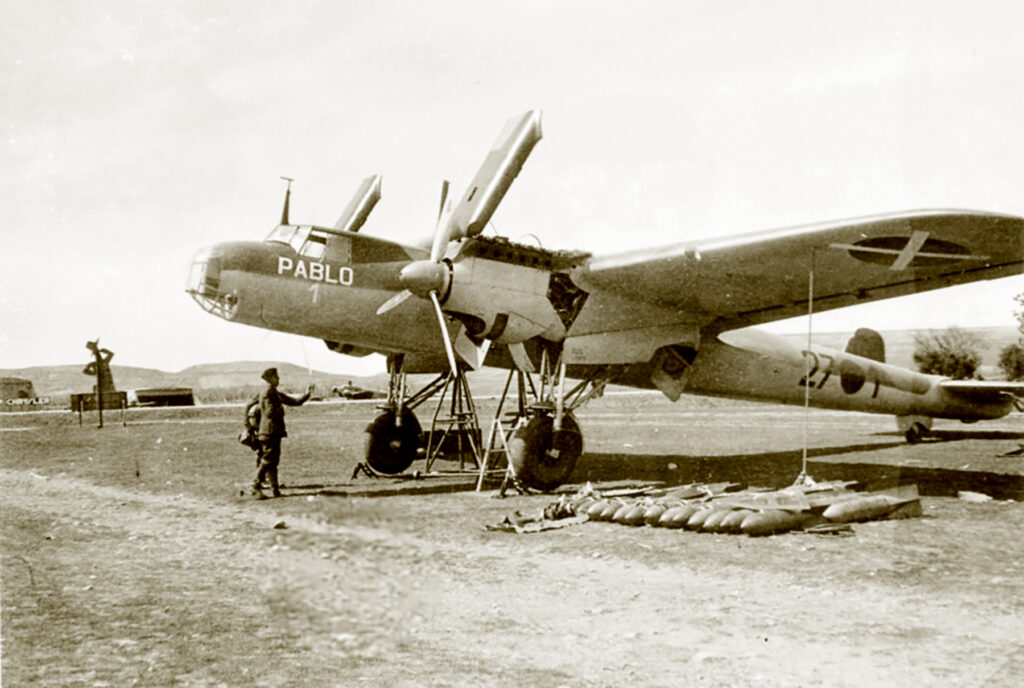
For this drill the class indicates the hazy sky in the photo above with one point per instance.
(139, 132)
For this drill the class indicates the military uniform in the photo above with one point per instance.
(271, 403)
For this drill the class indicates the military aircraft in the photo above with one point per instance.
(354, 392)
(675, 318)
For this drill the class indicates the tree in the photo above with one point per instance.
(1019, 298)
(1011, 361)
(1011, 358)
(951, 352)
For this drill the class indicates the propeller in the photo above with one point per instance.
(354, 216)
(431, 278)
(423, 276)
(443, 322)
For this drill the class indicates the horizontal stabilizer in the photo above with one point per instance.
(983, 389)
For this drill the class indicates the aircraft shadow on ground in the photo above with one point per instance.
(779, 469)
(385, 486)
(764, 469)
(960, 435)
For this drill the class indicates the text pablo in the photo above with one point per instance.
(316, 272)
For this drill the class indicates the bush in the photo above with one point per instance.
(1011, 361)
(951, 352)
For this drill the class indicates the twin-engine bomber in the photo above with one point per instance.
(674, 318)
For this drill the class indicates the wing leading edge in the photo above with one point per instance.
(757, 278)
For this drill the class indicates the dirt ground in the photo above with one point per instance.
(129, 558)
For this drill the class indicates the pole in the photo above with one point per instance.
(807, 367)
(99, 383)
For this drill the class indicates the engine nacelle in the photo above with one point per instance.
(503, 302)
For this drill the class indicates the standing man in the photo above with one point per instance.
(271, 403)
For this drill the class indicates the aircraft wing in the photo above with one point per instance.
(762, 277)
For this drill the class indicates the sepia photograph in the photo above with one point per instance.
(544, 344)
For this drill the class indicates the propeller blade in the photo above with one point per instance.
(395, 301)
(441, 239)
(442, 230)
(521, 358)
(496, 174)
(444, 333)
(469, 351)
(445, 186)
(358, 209)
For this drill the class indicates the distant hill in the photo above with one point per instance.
(69, 379)
(238, 377)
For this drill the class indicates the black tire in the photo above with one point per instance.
(541, 458)
(391, 449)
(915, 433)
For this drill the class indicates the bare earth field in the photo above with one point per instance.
(129, 558)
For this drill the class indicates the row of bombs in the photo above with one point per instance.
(703, 517)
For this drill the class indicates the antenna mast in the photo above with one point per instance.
(287, 196)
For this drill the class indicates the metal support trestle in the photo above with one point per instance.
(455, 428)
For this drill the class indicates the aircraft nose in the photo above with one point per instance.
(204, 282)
(204, 272)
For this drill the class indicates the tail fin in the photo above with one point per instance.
(867, 344)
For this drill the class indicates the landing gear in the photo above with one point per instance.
(394, 439)
(539, 439)
(915, 433)
(914, 428)
(541, 457)
(546, 442)
(391, 447)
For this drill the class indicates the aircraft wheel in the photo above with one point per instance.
(915, 433)
(541, 458)
(391, 449)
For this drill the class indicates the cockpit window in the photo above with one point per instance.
(293, 235)
(315, 246)
(282, 233)
(304, 239)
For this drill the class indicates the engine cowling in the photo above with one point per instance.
(503, 302)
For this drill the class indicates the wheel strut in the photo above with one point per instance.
(545, 440)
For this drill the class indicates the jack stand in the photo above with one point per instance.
(460, 427)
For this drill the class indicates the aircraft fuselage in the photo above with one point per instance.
(755, 365)
(335, 297)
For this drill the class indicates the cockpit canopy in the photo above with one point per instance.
(305, 239)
